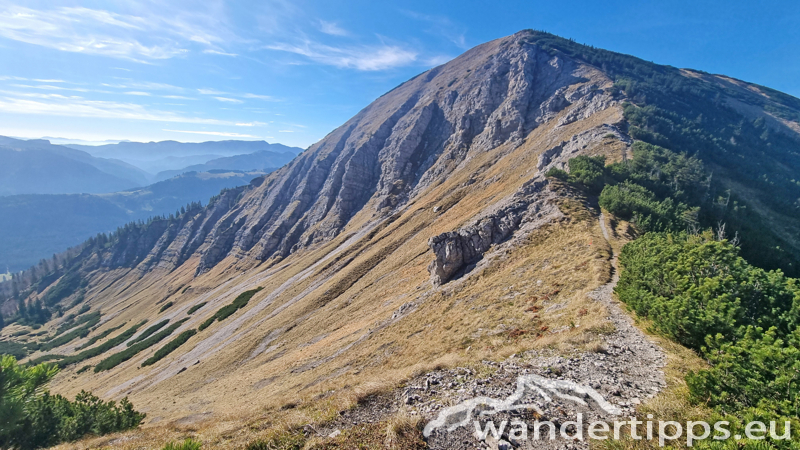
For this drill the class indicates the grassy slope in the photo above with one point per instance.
(311, 324)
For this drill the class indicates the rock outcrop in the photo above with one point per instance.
(457, 251)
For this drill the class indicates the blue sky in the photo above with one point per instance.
(292, 71)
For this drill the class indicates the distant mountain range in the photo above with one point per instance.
(56, 196)
(161, 156)
(35, 226)
(259, 160)
(37, 166)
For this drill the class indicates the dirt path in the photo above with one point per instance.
(606, 384)
(601, 385)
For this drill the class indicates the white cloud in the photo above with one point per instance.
(78, 107)
(139, 93)
(332, 28)
(49, 81)
(251, 124)
(50, 87)
(178, 97)
(215, 133)
(39, 95)
(211, 92)
(258, 96)
(367, 58)
(285, 131)
(218, 52)
(143, 37)
(228, 100)
(132, 84)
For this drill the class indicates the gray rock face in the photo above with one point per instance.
(455, 250)
(404, 142)
(401, 144)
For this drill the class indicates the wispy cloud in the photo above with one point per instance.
(178, 97)
(332, 28)
(210, 51)
(251, 124)
(259, 97)
(79, 107)
(366, 58)
(229, 100)
(142, 37)
(139, 93)
(206, 91)
(148, 85)
(39, 95)
(49, 87)
(224, 96)
(216, 133)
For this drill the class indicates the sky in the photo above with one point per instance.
(292, 71)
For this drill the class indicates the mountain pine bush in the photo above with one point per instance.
(32, 418)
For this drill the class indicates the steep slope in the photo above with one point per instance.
(421, 232)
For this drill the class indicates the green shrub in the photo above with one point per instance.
(31, 418)
(77, 333)
(169, 347)
(758, 371)
(701, 293)
(194, 308)
(555, 172)
(188, 444)
(102, 348)
(694, 286)
(165, 307)
(207, 323)
(88, 319)
(17, 349)
(588, 171)
(149, 331)
(635, 203)
(100, 336)
(226, 311)
(118, 358)
(44, 358)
